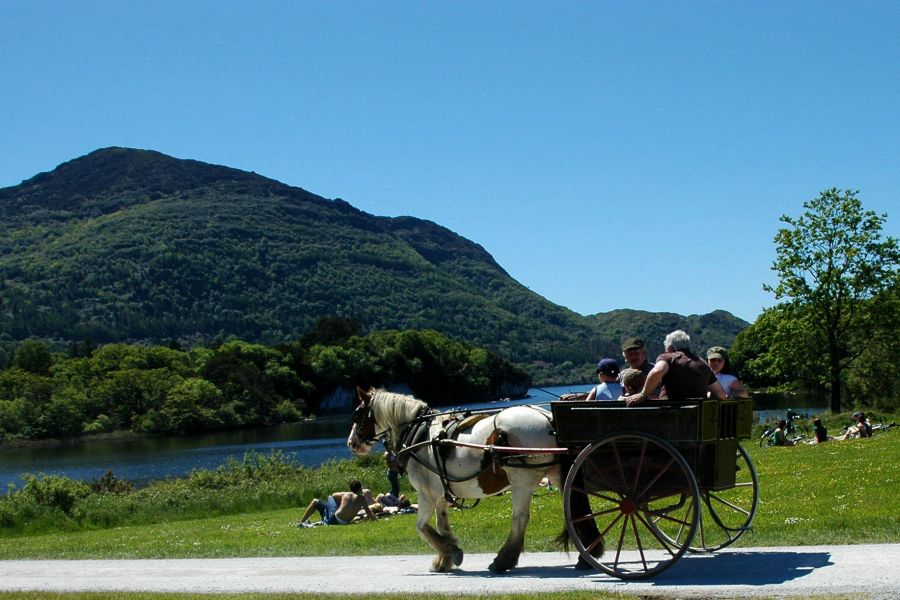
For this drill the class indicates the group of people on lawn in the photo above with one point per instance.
(861, 428)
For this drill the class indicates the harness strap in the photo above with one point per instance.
(415, 436)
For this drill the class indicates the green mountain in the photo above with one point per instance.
(134, 245)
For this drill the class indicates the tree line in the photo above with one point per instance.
(169, 390)
(836, 329)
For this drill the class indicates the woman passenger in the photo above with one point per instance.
(717, 359)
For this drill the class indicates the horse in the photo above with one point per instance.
(451, 456)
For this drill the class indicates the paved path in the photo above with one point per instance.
(866, 571)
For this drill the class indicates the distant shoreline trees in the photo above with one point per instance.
(168, 390)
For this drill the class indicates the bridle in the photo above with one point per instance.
(363, 420)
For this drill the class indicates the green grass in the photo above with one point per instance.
(834, 493)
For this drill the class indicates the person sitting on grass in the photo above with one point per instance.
(820, 431)
(862, 428)
(779, 436)
(341, 507)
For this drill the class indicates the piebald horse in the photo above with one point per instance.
(489, 454)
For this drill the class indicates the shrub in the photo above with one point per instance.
(110, 484)
(52, 491)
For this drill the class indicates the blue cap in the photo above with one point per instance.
(608, 366)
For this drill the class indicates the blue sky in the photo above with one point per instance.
(607, 154)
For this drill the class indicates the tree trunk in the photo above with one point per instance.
(834, 368)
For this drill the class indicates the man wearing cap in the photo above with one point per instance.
(636, 358)
(636, 355)
(682, 373)
(609, 388)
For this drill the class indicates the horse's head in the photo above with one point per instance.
(363, 431)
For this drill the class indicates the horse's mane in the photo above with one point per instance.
(394, 411)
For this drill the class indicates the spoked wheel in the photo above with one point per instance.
(631, 494)
(725, 514)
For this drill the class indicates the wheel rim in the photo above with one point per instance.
(640, 495)
(725, 514)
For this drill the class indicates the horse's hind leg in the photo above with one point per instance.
(441, 539)
(523, 487)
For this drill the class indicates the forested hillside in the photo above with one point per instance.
(132, 245)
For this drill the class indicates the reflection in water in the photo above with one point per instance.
(145, 459)
(309, 443)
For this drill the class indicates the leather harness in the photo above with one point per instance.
(417, 434)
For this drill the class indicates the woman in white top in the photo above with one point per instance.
(717, 359)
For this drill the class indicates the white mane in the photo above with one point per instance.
(394, 411)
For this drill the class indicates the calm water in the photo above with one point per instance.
(310, 444)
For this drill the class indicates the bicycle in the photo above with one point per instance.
(766, 438)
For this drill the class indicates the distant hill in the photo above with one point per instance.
(134, 245)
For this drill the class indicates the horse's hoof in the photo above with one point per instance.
(457, 556)
(441, 564)
(497, 569)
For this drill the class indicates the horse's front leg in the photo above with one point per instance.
(441, 539)
(522, 485)
(442, 521)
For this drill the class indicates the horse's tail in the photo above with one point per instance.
(587, 530)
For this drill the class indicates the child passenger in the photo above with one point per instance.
(633, 381)
(609, 387)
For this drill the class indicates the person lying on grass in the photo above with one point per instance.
(340, 507)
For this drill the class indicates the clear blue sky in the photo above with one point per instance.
(607, 154)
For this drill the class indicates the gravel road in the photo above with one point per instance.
(865, 571)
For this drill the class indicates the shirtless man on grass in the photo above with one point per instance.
(340, 507)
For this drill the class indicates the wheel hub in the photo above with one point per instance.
(627, 506)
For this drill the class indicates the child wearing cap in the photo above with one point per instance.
(609, 388)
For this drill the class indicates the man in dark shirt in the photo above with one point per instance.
(636, 355)
(682, 373)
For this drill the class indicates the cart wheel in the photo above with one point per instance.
(726, 514)
(631, 494)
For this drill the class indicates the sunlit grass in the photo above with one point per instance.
(835, 493)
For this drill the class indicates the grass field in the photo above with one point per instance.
(834, 493)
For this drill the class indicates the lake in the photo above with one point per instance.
(309, 443)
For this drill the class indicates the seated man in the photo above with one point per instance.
(682, 373)
(340, 507)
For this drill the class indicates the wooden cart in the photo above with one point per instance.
(653, 481)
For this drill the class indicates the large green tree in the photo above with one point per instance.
(831, 263)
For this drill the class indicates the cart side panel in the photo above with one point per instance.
(579, 423)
